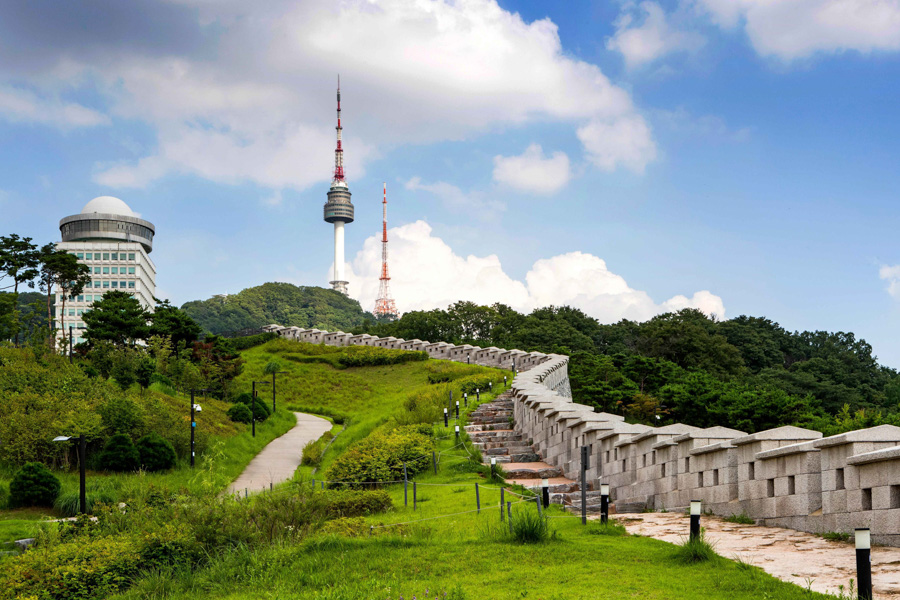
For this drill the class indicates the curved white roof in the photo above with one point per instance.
(108, 205)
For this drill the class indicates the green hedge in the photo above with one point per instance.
(355, 503)
(380, 456)
(249, 341)
(371, 356)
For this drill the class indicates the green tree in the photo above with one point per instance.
(19, 260)
(144, 371)
(174, 323)
(117, 318)
(119, 454)
(60, 270)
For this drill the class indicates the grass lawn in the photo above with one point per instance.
(466, 556)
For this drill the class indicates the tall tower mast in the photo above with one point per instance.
(339, 208)
(384, 304)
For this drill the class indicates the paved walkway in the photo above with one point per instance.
(281, 457)
(794, 556)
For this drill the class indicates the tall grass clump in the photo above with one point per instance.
(696, 550)
(68, 504)
(741, 519)
(528, 527)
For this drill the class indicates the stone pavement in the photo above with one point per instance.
(789, 555)
(281, 457)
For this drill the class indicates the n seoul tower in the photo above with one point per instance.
(339, 209)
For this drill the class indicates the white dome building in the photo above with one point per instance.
(115, 243)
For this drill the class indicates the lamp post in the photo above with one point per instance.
(274, 373)
(197, 408)
(253, 404)
(82, 473)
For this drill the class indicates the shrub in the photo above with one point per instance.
(156, 453)
(312, 453)
(119, 454)
(380, 456)
(244, 398)
(528, 527)
(161, 379)
(370, 356)
(240, 413)
(33, 485)
(262, 410)
(346, 527)
(121, 415)
(355, 503)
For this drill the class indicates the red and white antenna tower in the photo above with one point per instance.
(384, 304)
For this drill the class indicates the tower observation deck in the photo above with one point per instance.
(339, 209)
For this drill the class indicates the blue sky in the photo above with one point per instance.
(739, 156)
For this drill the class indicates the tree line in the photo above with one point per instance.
(748, 372)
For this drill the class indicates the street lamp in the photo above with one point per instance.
(82, 451)
(253, 404)
(274, 373)
(194, 408)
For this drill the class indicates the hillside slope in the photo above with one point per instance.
(282, 303)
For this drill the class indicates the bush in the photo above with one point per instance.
(121, 415)
(33, 485)
(314, 449)
(244, 398)
(262, 410)
(249, 341)
(119, 454)
(156, 453)
(355, 503)
(240, 413)
(370, 356)
(380, 456)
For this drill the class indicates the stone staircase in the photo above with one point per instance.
(491, 429)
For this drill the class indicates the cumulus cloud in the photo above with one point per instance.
(642, 42)
(427, 273)
(795, 29)
(245, 91)
(532, 172)
(22, 106)
(891, 274)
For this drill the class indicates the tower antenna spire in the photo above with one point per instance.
(384, 304)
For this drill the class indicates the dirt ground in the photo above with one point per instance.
(794, 556)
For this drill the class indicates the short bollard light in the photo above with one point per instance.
(493, 466)
(466, 400)
(545, 492)
(604, 502)
(457, 410)
(446, 416)
(477, 395)
(696, 509)
(457, 433)
(504, 381)
(864, 563)
(491, 386)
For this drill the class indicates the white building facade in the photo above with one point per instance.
(115, 243)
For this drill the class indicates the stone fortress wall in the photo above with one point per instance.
(784, 477)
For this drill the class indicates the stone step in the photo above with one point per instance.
(631, 507)
(494, 435)
(531, 470)
(489, 420)
(557, 484)
(509, 446)
(525, 457)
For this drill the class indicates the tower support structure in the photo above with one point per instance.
(384, 304)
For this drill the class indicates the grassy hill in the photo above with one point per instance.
(281, 303)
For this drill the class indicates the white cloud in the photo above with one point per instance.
(891, 274)
(21, 106)
(262, 108)
(426, 273)
(477, 204)
(795, 29)
(626, 141)
(532, 171)
(651, 39)
(707, 126)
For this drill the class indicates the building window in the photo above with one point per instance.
(131, 270)
(80, 255)
(106, 270)
(115, 270)
(80, 298)
(71, 312)
(115, 284)
(115, 256)
(106, 284)
(88, 298)
(79, 312)
(96, 284)
(96, 270)
(131, 256)
(131, 284)
(106, 256)
(122, 284)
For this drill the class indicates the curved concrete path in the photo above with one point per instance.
(281, 457)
